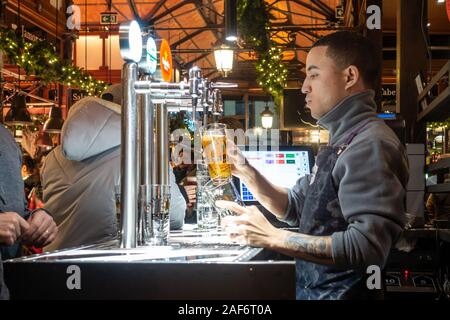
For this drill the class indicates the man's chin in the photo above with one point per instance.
(315, 116)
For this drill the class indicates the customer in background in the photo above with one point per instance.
(17, 224)
(80, 177)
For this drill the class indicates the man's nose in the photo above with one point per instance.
(306, 88)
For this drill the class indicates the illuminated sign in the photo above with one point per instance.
(108, 18)
(151, 55)
(130, 41)
(165, 61)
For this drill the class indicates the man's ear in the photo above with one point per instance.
(352, 76)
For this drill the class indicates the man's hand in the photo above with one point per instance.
(250, 227)
(42, 230)
(240, 166)
(12, 226)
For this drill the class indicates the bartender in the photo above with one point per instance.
(350, 210)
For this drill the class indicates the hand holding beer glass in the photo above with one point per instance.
(214, 144)
(215, 152)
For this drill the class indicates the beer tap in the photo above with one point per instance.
(217, 103)
(195, 78)
(206, 99)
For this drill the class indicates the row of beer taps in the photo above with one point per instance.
(145, 134)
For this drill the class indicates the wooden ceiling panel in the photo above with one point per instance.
(195, 25)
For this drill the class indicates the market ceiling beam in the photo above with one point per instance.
(187, 37)
(123, 3)
(189, 63)
(154, 10)
(135, 11)
(205, 18)
(289, 13)
(238, 50)
(324, 7)
(109, 2)
(310, 7)
(155, 19)
(177, 57)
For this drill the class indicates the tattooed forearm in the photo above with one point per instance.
(312, 248)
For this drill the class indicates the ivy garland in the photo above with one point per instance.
(441, 124)
(254, 24)
(40, 58)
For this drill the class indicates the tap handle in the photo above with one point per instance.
(223, 85)
(195, 78)
(217, 102)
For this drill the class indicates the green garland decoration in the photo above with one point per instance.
(254, 24)
(435, 125)
(40, 58)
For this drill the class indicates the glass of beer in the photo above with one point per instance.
(214, 144)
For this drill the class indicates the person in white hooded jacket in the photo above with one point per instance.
(79, 177)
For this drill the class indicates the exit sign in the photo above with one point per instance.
(108, 18)
(339, 12)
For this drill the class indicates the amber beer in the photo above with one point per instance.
(214, 149)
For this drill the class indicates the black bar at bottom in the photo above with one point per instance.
(142, 280)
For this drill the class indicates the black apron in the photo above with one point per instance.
(322, 216)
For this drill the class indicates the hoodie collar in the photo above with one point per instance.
(347, 114)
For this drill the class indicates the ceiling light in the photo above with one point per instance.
(267, 118)
(224, 58)
(18, 114)
(55, 122)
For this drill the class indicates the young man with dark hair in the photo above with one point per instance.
(350, 210)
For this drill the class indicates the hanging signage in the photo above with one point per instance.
(165, 60)
(388, 100)
(339, 12)
(151, 55)
(108, 18)
(75, 95)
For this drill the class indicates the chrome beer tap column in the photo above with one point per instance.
(160, 192)
(146, 147)
(129, 158)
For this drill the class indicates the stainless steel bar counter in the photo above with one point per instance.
(196, 265)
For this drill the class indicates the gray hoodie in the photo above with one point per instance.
(79, 178)
(370, 177)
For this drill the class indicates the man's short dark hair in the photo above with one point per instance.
(350, 48)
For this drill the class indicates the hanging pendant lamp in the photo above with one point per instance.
(18, 115)
(55, 122)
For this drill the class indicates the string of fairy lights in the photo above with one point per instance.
(271, 73)
(254, 25)
(39, 58)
